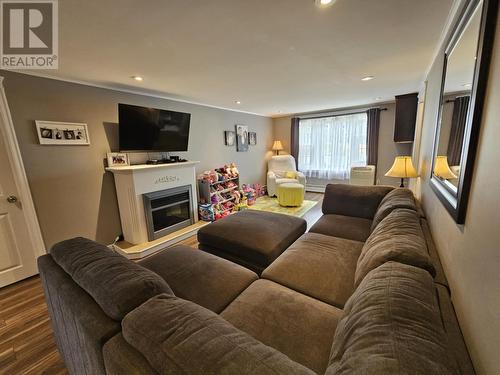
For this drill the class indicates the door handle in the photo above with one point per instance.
(12, 199)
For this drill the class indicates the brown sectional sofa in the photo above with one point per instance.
(362, 292)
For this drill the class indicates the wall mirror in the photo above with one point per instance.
(465, 71)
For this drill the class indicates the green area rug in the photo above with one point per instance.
(269, 204)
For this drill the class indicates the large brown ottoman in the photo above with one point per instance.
(253, 239)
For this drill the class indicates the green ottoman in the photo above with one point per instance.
(290, 194)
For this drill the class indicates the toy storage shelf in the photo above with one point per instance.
(205, 195)
(227, 180)
(225, 190)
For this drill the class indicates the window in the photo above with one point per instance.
(330, 146)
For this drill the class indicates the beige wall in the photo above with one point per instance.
(471, 252)
(73, 194)
(387, 148)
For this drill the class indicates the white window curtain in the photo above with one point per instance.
(330, 146)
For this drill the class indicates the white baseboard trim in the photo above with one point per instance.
(315, 188)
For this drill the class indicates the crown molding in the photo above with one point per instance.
(132, 91)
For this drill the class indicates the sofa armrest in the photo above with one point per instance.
(301, 177)
(271, 183)
(352, 200)
(178, 336)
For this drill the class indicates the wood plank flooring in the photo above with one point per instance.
(26, 341)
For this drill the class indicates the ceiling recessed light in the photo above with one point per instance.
(237, 102)
(367, 78)
(467, 85)
(138, 78)
(324, 3)
(378, 98)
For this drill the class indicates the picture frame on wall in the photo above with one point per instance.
(62, 133)
(241, 138)
(229, 138)
(252, 138)
(117, 159)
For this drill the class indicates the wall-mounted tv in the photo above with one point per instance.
(150, 129)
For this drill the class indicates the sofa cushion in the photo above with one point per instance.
(352, 200)
(285, 180)
(179, 337)
(200, 277)
(348, 227)
(79, 325)
(318, 265)
(299, 326)
(398, 238)
(397, 198)
(391, 325)
(117, 284)
(440, 277)
(255, 237)
(122, 358)
(458, 349)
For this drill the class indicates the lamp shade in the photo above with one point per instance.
(442, 169)
(402, 168)
(277, 146)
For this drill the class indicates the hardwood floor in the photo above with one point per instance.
(26, 342)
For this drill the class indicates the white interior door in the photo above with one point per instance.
(19, 248)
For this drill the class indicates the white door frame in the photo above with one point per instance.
(20, 179)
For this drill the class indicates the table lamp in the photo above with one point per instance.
(402, 168)
(442, 168)
(277, 146)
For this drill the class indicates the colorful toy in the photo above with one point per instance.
(258, 190)
(250, 194)
(234, 170)
(221, 197)
(206, 212)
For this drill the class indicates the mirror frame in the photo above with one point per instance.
(456, 203)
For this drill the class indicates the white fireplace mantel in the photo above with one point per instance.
(135, 180)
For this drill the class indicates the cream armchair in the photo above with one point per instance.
(277, 168)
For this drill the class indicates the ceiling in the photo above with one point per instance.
(275, 56)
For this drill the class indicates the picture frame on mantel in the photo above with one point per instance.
(62, 133)
(117, 159)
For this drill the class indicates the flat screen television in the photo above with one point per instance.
(150, 129)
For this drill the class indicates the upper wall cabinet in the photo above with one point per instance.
(465, 73)
(406, 116)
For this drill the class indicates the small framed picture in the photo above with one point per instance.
(241, 138)
(62, 133)
(229, 138)
(252, 138)
(117, 159)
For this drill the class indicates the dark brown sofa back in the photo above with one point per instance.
(397, 238)
(116, 284)
(179, 337)
(80, 326)
(392, 325)
(352, 200)
(89, 289)
(397, 198)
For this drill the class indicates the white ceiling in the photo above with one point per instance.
(275, 56)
